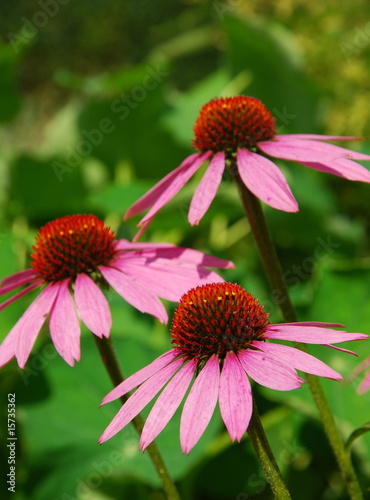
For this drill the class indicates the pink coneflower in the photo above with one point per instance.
(219, 334)
(241, 131)
(76, 255)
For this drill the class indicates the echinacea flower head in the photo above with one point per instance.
(221, 337)
(239, 133)
(74, 257)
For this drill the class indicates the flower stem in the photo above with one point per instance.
(110, 361)
(271, 263)
(264, 453)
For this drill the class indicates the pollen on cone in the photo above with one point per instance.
(225, 124)
(71, 245)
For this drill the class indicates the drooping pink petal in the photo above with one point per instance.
(342, 167)
(183, 256)
(200, 404)
(92, 306)
(132, 245)
(347, 351)
(141, 397)
(265, 180)
(167, 403)
(268, 371)
(149, 198)
(143, 226)
(140, 376)
(207, 188)
(310, 334)
(235, 397)
(169, 273)
(315, 323)
(64, 325)
(23, 292)
(15, 280)
(298, 359)
(292, 137)
(166, 189)
(7, 347)
(29, 325)
(134, 293)
(171, 282)
(308, 150)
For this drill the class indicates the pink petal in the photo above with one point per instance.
(92, 306)
(184, 256)
(310, 334)
(235, 398)
(265, 180)
(15, 280)
(140, 376)
(166, 189)
(29, 325)
(143, 227)
(169, 283)
(298, 359)
(64, 325)
(141, 397)
(268, 371)
(307, 150)
(200, 404)
(342, 167)
(318, 137)
(167, 403)
(347, 351)
(20, 294)
(313, 323)
(132, 245)
(7, 347)
(207, 188)
(134, 293)
(169, 273)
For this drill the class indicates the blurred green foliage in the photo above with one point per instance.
(97, 102)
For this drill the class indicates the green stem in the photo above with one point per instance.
(264, 453)
(110, 361)
(271, 263)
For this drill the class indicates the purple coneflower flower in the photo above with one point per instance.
(76, 255)
(240, 130)
(219, 334)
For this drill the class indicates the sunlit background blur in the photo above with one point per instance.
(97, 102)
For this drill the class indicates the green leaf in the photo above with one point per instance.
(38, 191)
(276, 79)
(10, 101)
(128, 129)
(61, 430)
(180, 120)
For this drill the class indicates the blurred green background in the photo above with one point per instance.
(97, 102)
